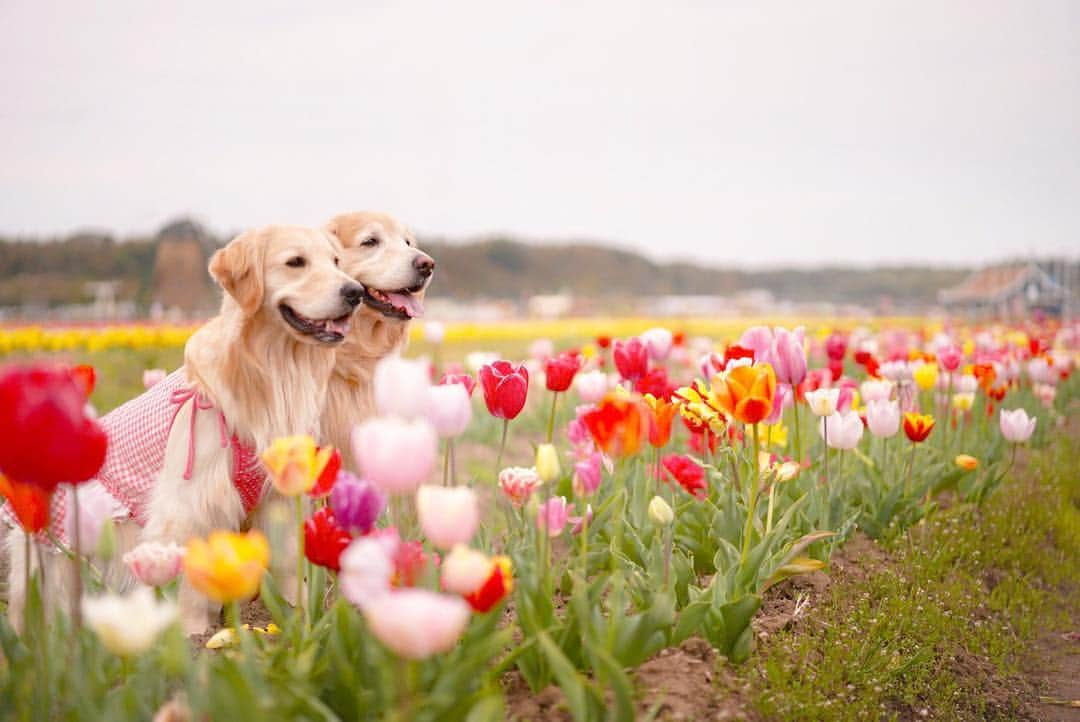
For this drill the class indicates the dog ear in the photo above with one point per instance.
(238, 268)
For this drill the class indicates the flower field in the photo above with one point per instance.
(536, 507)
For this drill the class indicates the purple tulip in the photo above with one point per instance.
(357, 503)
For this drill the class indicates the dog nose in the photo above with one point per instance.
(424, 264)
(352, 293)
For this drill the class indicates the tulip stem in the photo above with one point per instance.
(753, 501)
(502, 448)
(26, 582)
(798, 434)
(551, 416)
(300, 557)
(76, 591)
(825, 435)
(910, 468)
(768, 518)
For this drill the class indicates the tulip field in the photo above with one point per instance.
(546, 518)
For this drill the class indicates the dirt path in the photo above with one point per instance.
(1053, 668)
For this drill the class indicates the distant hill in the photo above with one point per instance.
(52, 272)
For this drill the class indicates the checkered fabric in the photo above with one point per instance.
(138, 434)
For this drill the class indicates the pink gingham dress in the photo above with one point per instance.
(138, 434)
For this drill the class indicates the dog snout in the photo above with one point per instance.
(353, 293)
(424, 264)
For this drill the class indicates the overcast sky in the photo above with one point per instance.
(735, 133)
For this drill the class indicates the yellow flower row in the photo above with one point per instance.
(31, 339)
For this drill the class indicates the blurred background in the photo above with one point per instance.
(685, 159)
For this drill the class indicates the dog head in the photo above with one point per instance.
(290, 275)
(381, 254)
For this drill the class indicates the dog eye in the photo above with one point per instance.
(296, 262)
(369, 242)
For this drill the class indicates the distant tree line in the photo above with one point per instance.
(55, 272)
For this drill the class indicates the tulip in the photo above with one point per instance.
(518, 484)
(29, 503)
(541, 349)
(950, 357)
(465, 380)
(448, 515)
(449, 409)
(465, 570)
(496, 587)
(357, 503)
(784, 399)
(45, 436)
(416, 623)
(659, 415)
(658, 342)
(876, 390)
(434, 332)
(656, 383)
(966, 384)
(616, 425)
(823, 402)
(631, 359)
(294, 464)
(963, 401)
(836, 347)
(926, 376)
(397, 455)
(591, 386)
(505, 388)
(547, 463)
(660, 512)
(328, 476)
(918, 426)
(587, 474)
(578, 523)
(967, 462)
(155, 564)
(325, 540)
(552, 516)
(883, 418)
(895, 371)
(747, 393)
(367, 568)
(700, 408)
(559, 371)
(128, 625)
(153, 376)
(227, 567)
(401, 387)
(687, 473)
(1045, 393)
(844, 430)
(1016, 426)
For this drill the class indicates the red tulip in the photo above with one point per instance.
(465, 380)
(45, 436)
(327, 476)
(617, 425)
(505, 388)
(735, 351)
(688, 473)
(29, 503)
(836, 347)
(631, 358)
(324, 540)
(655, 382)
(560, 371)
(603, 341)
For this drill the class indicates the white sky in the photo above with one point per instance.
(732, 133)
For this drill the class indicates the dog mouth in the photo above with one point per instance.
(402, 304)
(327, 330)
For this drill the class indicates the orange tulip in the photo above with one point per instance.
(616, 425)
(918, 426)
(746, 392)
(659, 414)
(29, 502)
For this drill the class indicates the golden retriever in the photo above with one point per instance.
(381, 254)
(257, 371)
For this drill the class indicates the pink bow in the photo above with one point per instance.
(181, 397)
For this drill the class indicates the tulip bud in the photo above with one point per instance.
(967, 462)
(660, 512)
(547, 463)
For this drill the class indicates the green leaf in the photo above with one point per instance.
(570, 681)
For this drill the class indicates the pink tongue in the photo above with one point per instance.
(341, 327)
(412, 305)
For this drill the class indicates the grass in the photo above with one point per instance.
(938, 631)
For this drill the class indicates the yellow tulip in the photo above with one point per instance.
(926, 376)
(547, 463)
(967, 462)
(294, 463)
(227, 566)
(963, 401)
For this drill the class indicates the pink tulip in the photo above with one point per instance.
(448, 515)
(367, 568)
(587, 474)
(658, 342)
(950, 357)
(591, 386)
(541, 349)
(395, 454)
(518, 484)
(781, 400)
(844, 430)
(153, 376)
(449, 409)
(789, 356)
(552, 515)
(578, 523)
(155, 564)
(401, 387)
(875, 390)
(417, 623)
(1016, 426)
(883, 418)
